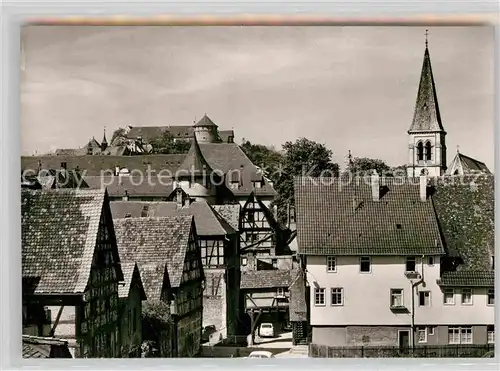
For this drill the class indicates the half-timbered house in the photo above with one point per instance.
(70, 266)
(171, 241)
(131, 294)
(218, 242)
(260, 232)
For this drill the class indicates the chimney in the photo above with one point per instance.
(423, 188)
(375, 180)
(179, 198)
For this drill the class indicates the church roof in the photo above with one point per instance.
(194, 162)
(467, 165)
(205, 121)
(426, 116)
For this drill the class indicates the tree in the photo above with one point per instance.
(262, 156)
(165, 144)
(118, 133)
(301, 158)
(156, 324)
(362, 166)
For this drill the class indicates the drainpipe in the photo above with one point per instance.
(413, 287)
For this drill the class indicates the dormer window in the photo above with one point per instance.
(230, 139)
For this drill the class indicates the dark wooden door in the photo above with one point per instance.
(404, 341)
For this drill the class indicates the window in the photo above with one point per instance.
(431, 261)
(460, 335)
(280, 292)
(396, 298)
(491, 297)
(244, 261)
(466, 296)
(365, 264)
(430, 330)
(422, 335)
(230, 139)
(424, 298)
(251, 216)
(420, 151)
(411, 264)
(337, 296)
(449, 297)
(331, 264)
(428, 151)
(319, 296)
(491, 334)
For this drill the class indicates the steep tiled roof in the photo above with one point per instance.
(465, 210)
(205, 121)
(194, 162)
(130, 273)
(468, 279)
(45, 347)
(208, 222)
(341, 218)
(265, 279)
(225, 157)
(426, 116)
(231, 213)
(155, 240)
(465, 165)
(105, 165)
(155, 279)
(133, 186)
(59, 232)
(298, 305)
(148, 133)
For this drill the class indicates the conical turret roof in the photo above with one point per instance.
(205, 122)
(194, 162)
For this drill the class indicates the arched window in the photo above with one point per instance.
(428, 151)
(420, 151)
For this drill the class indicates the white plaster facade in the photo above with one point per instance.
(366, 297)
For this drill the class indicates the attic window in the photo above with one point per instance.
(398, 226)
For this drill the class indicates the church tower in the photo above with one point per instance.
(427, 144)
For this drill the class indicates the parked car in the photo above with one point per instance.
(207, 331)
(260, 354)
(266, 330)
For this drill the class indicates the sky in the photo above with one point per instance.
(350, 88)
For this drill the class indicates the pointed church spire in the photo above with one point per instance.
(426, 117)
(104, 143)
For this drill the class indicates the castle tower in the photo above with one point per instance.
(196, 177)
(206, 131)
(427, 144)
